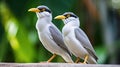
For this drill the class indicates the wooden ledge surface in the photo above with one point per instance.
(55, 65)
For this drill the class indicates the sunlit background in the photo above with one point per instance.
(19, 42)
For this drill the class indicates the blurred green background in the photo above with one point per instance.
(19, 42)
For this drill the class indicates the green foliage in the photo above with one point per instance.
(17, 36)
(101, 53)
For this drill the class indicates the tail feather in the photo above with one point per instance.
(91, 60)
(67, 58)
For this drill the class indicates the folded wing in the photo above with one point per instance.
(82, 37)
(57, 37)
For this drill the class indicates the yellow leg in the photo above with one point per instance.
(85, 60)
(77, 60)
(54, 55)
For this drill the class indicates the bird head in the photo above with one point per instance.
(68, 17)
(42, 12)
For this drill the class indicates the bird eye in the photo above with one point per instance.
(43, 9)
(68, 15)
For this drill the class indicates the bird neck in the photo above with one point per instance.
(45, 19)
(70, 26)
(42, 23)
(73, 23)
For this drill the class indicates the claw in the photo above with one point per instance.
(54, 55)
(86, 58)
(77, 60)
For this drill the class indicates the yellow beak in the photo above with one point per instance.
(60, 17)
(34, 10)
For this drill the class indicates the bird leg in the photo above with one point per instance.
(77, 60)
(53, 56)
(86, 58)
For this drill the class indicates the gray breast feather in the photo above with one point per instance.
(57, 37)
(82, 37)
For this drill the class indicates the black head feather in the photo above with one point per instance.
(70, 14)
(44, 8)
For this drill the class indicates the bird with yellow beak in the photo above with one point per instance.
(49, 35)
(76, 40)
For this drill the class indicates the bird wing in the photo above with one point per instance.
(57, 37)
(82, 37)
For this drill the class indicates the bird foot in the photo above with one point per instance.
(45, 62)
(82, 62)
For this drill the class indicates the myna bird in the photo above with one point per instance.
(76, 40)
(49, 35)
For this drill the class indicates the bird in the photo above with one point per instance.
(76, 40)
(49, 35)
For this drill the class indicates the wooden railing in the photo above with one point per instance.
(55, 65)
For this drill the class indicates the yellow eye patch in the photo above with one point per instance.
(43, 9)
(68, 15)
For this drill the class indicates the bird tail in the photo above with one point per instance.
(67, 58)
(91, 60)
